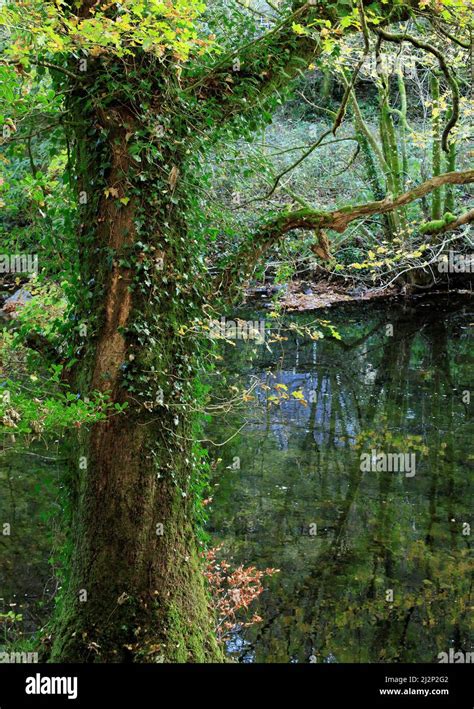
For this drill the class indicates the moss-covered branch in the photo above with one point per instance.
(274, 229)
(340, 219)
(268, 63)
(448, 223)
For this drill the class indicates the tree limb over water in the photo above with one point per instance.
(272, 230)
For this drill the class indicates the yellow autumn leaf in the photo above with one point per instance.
(298, 395)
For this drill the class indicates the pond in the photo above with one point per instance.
(374, 565)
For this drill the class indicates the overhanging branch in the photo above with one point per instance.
(274, 229)
(268, 63)
(339, 219)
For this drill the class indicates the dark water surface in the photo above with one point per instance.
(343, 539)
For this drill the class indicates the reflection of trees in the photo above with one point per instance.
(378, 531)
(29, 503)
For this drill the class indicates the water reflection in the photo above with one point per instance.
(30, 544)
(386, 576)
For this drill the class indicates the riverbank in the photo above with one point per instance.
(301, 295)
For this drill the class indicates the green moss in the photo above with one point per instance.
(189, 636)
(437, 224)
(431, 227)
(449, 218)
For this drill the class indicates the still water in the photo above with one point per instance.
(374, 566)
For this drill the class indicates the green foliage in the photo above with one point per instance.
(53, 28)
(28, 409)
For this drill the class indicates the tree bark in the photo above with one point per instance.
(134, 590)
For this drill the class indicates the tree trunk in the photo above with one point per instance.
(450, 198)
(436, 149)
(134, 589)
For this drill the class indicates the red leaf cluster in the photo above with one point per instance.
(232, 591)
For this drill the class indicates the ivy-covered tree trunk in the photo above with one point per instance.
(134, 589)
